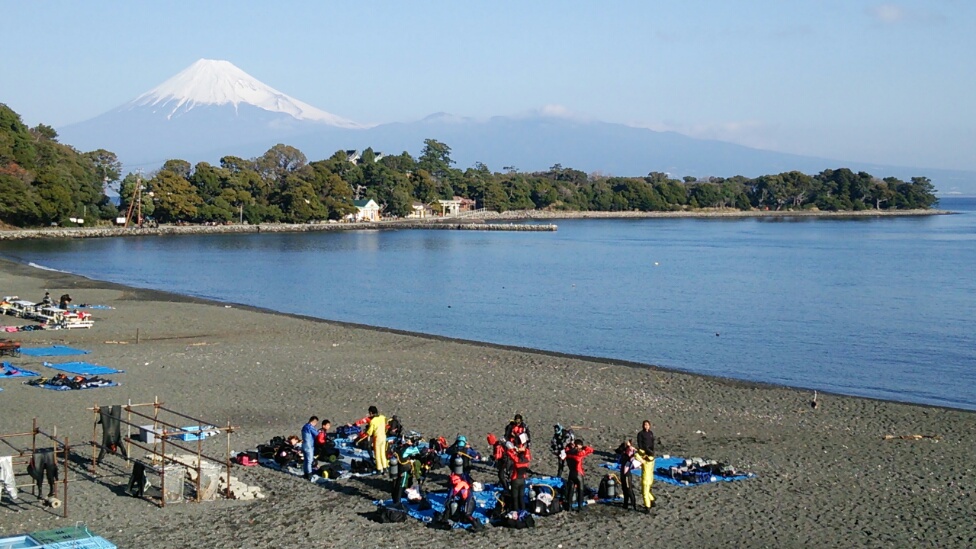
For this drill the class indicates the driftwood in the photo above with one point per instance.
(911, 437)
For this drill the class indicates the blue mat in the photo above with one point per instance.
(672, 462)
(54, 350)
(8, 369)
(87, 306)
(66, 388)
(485, 501)
(83, 368)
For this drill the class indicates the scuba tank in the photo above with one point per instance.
(457, 464)
(394, 466)
(611, 488)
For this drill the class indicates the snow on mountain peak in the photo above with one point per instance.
(218, 82)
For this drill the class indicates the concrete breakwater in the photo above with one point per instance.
(104, 232)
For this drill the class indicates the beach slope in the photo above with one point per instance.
(825, 477)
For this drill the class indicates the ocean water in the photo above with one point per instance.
(880, 307)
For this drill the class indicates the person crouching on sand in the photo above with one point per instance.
(325, 449)
(309, 433)
(460, 503)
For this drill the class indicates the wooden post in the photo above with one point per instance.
(64, 500)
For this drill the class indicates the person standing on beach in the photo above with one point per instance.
(626, 453)
(521, 458)
(503, 465)
(515, 428)
(406, 457)
(561, 438)
(645, 454)
(574, 460)
(376, 431)
(309, 433)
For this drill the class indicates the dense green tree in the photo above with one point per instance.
(278, 162)
(174, 198)
(107, 166)
(435, 159)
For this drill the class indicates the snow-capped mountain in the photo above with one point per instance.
(214, 82)
(210, 106)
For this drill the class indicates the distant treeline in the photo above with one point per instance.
(44, 182)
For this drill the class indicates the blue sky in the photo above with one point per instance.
(872, 81)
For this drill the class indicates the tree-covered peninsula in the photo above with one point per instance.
(44, 182)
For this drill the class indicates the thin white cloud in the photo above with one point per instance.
(751, 133)
(554, 111)
(890, 13)
(887, 14)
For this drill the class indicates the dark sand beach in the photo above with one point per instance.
(825, 477)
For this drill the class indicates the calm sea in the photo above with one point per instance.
(883, 308)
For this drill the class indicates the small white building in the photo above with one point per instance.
(366, 210)
(419, 210)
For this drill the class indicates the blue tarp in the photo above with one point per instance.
(87, 306)
(8, 369)
(82, 368)
(485, 501)
(53, 350)
(672, 461)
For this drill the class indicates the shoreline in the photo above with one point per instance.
(175, 297)
(477, 221)
(824, 476)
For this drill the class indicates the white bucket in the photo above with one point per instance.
(173, 483)
(209, 481)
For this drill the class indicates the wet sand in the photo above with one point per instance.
(824, 477)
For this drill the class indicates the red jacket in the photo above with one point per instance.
(574, 457)
(521, 461)
(459, 489)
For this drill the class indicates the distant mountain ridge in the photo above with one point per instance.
(213, 109)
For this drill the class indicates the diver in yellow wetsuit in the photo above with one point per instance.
(377, 434)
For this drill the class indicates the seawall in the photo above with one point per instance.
(105, 232)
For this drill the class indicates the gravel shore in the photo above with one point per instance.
(825, 477)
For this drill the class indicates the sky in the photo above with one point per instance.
(888, 82)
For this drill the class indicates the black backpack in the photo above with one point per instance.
(388, 514)
(526, 522)
(538, 506)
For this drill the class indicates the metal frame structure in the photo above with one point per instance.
(62, 452)
(166, 434)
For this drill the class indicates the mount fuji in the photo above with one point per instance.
(212, 106)
(213, 109)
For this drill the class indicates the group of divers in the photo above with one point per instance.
(409, 458)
